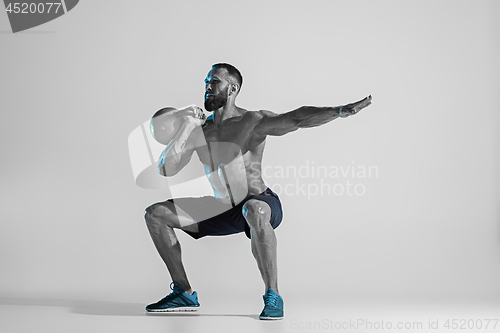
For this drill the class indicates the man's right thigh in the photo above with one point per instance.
(172, 215)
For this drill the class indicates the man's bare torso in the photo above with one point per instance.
(231, 155)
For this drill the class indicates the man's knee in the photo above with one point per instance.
(257, 213)
(160, 213)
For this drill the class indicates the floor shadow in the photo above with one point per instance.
(88, 307)
(26, 32)
(106, 308)
(191, 314)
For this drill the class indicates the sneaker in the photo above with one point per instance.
(177, 300)
(273, 306)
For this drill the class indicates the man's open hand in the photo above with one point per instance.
(353, 108)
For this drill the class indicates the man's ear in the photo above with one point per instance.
(233, 89)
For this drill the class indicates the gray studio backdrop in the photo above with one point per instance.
(398, 200)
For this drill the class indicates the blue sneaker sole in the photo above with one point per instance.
(179, 309)
(270, 318)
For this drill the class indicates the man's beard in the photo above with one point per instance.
(215, 102)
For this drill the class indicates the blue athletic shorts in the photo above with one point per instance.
(218, 219)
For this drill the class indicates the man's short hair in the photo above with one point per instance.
(232, 71)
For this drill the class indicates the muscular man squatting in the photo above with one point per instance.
(230, 145)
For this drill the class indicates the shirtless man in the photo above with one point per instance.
(230, 144)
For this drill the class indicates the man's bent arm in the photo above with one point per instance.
(178, 152)
(306, 116)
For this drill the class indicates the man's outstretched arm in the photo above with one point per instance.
(306, 116)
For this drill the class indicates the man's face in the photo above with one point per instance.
(216, 90)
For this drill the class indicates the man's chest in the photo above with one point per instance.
(234, 139)
(235, 132)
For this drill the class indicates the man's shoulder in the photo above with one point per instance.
(251, 113)
(259, 114)
(252, 117)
